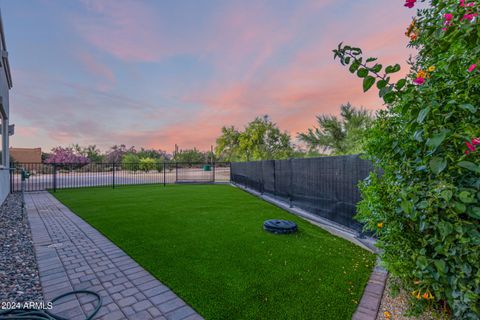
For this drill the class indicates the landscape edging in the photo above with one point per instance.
(372, 295)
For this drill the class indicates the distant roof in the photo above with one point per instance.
(4, 54)
(26, 155)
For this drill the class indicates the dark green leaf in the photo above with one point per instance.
(381, 84)
(400, 84)
(389, 97)
(441, 266)
(466, 269)
(469, 107)
(362, 73)
(354, 66)
(474, 212)
(422, 114)
(445, 228)
(377, 68)
(437, 164)
(422, 204)
(406, 206)
(436, 139)
(418, 135)
(466, 197)
(368, 82)
(446, 195)
(392, 69)
(422, 262)
(459, 207)
(469, 166)
(371, 59)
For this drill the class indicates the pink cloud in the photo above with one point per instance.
(26, 132)
(310, 84)
(123, 28)
(102, 71)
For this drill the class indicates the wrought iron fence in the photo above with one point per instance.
(41, 176)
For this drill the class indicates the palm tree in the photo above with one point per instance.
(339, 136)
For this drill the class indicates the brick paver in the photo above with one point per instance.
(372, 296)
(72, 255)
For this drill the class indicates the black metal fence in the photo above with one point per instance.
(40, 176)
(325, 186)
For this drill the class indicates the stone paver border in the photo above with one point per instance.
(372, 296)
(72, 255)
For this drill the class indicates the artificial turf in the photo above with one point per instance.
(207, 244)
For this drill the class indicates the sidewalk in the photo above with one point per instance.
(72, 255)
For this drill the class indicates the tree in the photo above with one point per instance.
(227, 144)
(148, 164)
(190, 156)
(66, 156)
(425, 207)
(130, 161)
(261, 140)
(340, 136)
(93, 153)
(116, 153)
(154, 154)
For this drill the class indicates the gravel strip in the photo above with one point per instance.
(19, 279)
(395, 308)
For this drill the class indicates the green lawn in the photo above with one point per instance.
(207, 244)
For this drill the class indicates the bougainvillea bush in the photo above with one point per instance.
(425, 206)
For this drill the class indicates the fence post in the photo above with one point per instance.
(262, 179)
(176, 172)
(213, 172)
(231, 173)
(164, 174)
(113, 176)
(290, 187)
(12, 172)
(54, 177)
(274, 180)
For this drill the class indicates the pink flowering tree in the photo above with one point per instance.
(425, 207)
(66, 157)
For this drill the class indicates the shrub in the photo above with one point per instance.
(148, 164)
(425, 208)
(130, 161)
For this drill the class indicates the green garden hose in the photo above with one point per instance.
(39, 314)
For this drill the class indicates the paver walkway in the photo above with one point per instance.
(72, 255)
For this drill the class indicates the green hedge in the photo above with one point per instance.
(425, 208)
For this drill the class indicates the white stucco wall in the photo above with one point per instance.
(5, 85)
(4, 184)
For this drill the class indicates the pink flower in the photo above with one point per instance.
(471, 147)
(476, 141)
(469, 16)
(419, 81)
(470, 4)
(410, 3)
(448, 20)
(472, 67)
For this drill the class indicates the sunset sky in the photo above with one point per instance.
(156, 73)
